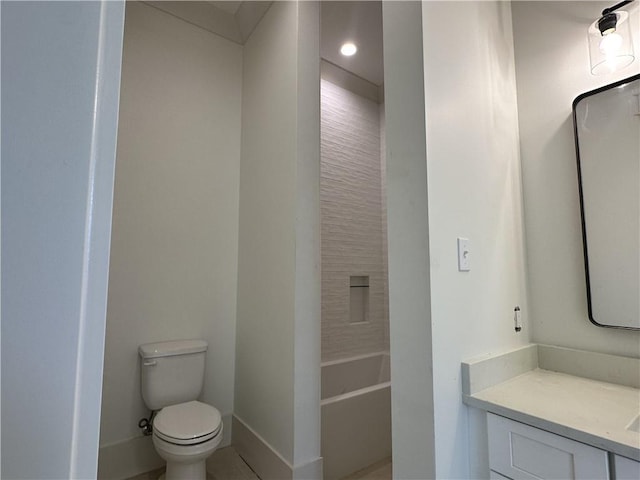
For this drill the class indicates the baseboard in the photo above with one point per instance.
(133, 456)
(227, 433)
(309, 471)
(259, 455)
(127, 458)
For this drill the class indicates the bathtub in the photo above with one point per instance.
(356, 413)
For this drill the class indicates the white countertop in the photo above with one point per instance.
(589, 411)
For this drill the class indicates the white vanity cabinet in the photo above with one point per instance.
(518, 451)
(564, 421)
(625, 468)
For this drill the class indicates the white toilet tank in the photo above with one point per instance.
(172, 372)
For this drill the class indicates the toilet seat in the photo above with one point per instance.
(187, 423)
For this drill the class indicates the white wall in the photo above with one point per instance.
(60, 84)
(306, 390)
(266, 264)
(408, 242)
(175, 226)
(552, 70)
(474, 192)
(277, 349)
(353, 233)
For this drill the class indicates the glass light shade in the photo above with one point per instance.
(612, 51)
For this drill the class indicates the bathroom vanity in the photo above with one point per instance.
(517, 450)
(556, 413)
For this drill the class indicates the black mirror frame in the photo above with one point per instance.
(582, 213)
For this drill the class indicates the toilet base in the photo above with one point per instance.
(181, 471)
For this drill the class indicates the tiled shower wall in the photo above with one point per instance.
(353, 221)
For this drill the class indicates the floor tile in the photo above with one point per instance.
(381, 470)
(224, 464)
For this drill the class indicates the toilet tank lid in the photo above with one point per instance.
(174, 347)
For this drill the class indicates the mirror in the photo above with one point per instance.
(607, 135)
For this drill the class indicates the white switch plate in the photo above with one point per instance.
(464, 255)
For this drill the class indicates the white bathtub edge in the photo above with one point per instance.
(329, 363)
(355, 393)
(356, 430)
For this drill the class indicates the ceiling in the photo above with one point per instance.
(360, 23)
(233, 20)
(227, 5)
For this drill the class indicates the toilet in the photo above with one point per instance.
(185, 431)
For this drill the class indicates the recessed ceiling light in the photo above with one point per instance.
(348, 49)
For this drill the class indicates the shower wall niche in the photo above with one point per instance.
(353, 218)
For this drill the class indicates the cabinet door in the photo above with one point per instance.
(519, 451)
(626, 469)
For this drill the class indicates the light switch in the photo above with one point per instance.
(464, 255)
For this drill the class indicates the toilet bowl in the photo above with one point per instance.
(185, 431)
(185, 435)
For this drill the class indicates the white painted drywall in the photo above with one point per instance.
(475, 192)
(385, 247)
(306, 391)
(266, 262)
(60, 86)
(552, 70)
(408, 243)
(353, 233)
(175, 225)
(277, 350)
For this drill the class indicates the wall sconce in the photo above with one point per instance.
(610, 44)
